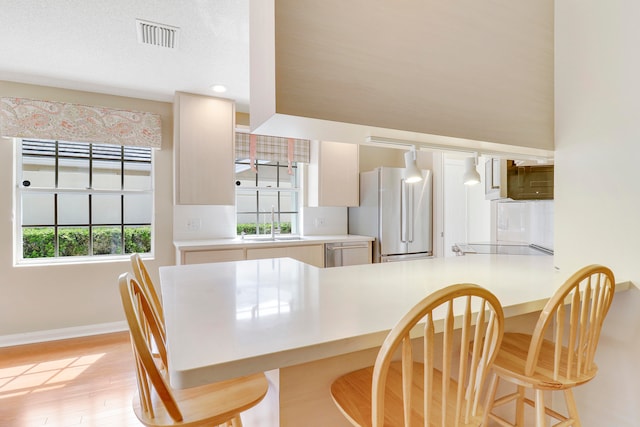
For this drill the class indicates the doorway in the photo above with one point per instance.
(467, 215)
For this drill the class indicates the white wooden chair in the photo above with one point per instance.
(573, 317)
(442, 387)
(157, 403)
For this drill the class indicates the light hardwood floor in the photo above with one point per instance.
(78, 382)
(86, 381)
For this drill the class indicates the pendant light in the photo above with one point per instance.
(471, 175)
(411, 172)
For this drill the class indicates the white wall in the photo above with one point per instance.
(69, 299)
(597, 119)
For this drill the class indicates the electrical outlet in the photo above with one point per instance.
(320, 222)
(194, 224)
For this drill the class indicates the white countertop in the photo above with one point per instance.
(182, 245)
(229, 319)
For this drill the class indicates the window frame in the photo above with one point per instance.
(20, 190)
(280, 166)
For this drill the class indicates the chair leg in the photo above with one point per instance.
(233, 422)
(571, 407)
(520, 407)
(541, 418)
(491, 398)
(236, 421)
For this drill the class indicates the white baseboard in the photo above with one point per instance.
(61, 334)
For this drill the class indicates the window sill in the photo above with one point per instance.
(98, 259)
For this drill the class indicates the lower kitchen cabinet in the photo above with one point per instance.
(309, 254)
(201, 257)
(322, 254)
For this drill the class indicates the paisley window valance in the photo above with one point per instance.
(29, 118)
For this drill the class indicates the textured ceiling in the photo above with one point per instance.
(92, 45)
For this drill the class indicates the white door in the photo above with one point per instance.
(455, 204)
(467, 215)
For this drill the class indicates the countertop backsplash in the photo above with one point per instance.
(529, 222)
(324, 221)
(203, 222)
(198, 222)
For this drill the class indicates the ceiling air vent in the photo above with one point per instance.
(157, 34)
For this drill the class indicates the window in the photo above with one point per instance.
(257, 193)
(82, 199)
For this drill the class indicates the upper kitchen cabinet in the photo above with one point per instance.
(526, 182)
(518, 180)
(203, 150)
(333, 174)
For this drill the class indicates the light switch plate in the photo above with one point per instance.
(194, 224)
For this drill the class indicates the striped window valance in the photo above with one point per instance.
(273, 148)
(30, 118)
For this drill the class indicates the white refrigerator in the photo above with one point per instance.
(397, 213)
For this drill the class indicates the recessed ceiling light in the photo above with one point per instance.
(219, 88)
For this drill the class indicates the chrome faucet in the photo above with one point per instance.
(273, 229)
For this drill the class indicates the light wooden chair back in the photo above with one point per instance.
(144, 279)
(576, 313)
(558, 355)
(159, 405)
(146, 337)
(433, 383)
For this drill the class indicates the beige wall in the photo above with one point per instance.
(597, 193)
(74, 298)
(372, 157)
(242, 119)
(461, 72)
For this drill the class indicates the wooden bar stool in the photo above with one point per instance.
(444, 387)
(576, 313)
(157, 403)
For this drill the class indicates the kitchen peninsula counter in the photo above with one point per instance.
(234, 318)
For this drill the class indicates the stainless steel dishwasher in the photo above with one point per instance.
(347, 253)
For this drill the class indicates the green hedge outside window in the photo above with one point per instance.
(74, 241)
(249, 229)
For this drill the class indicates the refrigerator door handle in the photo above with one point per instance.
(403, 211)
(410, 212)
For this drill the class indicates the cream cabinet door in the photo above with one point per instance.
(204, 150)
(309, 254)
(201, 257)
(333, 174)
